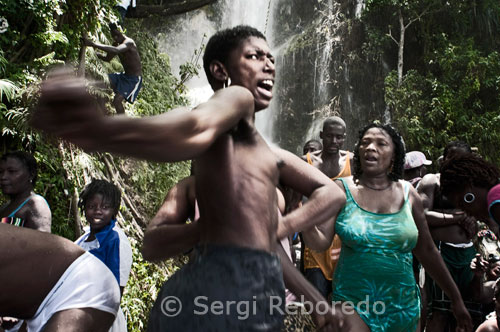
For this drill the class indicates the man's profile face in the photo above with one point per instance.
(333, 136)
(251, 65)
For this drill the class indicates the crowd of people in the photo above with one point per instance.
(385, 246)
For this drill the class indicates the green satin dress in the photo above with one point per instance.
(374, 273)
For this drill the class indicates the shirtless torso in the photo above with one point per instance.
(130, 59)
(445, 221)
(247, 192)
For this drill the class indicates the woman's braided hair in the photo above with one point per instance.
(467, 169)
(399, 152)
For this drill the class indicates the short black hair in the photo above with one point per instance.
(456, 145)
(108, 191)
(467, 169)
(334, 120)
(223, 42)
(311, 141)
(113, 27)
(399, 152)
(27, 160)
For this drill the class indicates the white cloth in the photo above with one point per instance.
(120, 323)
(121, 262)
(460, 245)
(86, 283)
(126, 3)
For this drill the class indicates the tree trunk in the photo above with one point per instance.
(401, 45)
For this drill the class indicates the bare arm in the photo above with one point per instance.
(325, 197)
(108, 57)
(295, 281)
(320, 237)
(482, 289)
(171, 136)
(39, 215)
(427, 190)
(114, 50)
(167, 234)
(427, 254)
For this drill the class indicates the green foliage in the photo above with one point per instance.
(35, 35)
(451, 86)
(143, 288)
(458, 100)
(161, 90)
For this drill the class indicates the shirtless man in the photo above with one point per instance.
(334, 162)
(125, 85)
(236, 178)
(53, 284)
(161, 239)
(452, 231)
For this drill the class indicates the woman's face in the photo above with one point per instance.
(376, 151)
(14, 177)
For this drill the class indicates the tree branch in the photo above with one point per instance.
(168, 9)
(392, 37)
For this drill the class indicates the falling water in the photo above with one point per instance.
(315, 76)
(186, 33)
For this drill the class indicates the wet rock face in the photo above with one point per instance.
(321, 71)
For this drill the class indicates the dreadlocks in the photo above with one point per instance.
(108, 191)
(467, 169)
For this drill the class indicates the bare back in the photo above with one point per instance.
(236, 189)
(28, 255)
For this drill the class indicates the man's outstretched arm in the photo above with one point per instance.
(109, 49)
(67, 110)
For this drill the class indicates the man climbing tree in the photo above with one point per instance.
(125, 85)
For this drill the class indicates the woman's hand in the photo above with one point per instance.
(464, 321)
(479, 266)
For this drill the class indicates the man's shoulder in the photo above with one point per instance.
(429, 180)
(345, 153)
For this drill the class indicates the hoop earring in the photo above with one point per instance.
(469, 198)
(227, 83)
(391, 168)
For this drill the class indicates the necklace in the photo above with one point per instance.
(377, 189)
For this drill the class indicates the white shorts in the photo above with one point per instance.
(86, 283)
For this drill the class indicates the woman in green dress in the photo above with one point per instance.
(381, 225)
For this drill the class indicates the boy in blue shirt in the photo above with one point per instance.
(100, 201)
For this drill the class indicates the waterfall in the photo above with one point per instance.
(320, 70)
(185, 33)
(326, 69)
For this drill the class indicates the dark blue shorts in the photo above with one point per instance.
(224, 288)
(126, 85)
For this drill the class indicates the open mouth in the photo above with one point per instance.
(266, 84)
(265, 87)
(371, 159)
